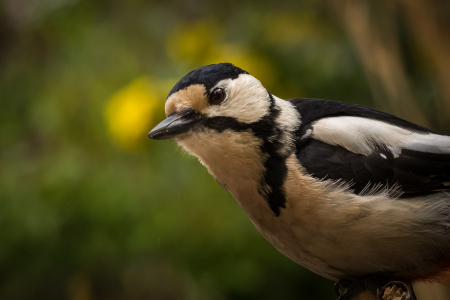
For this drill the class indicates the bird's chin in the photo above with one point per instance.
(179, 138)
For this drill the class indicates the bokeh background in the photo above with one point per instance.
(90, 208)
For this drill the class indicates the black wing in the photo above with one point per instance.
(415, 171)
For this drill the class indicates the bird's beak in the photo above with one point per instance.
(174, 125)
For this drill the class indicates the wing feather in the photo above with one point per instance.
(371, 148)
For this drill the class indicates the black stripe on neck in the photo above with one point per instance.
(271, 183)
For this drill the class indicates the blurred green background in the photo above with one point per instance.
(90, 208)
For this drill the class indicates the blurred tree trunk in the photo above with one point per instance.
(377, 46)
(430, 25)
(374, 28)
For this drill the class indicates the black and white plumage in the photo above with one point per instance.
(370, 148)
(341, 189)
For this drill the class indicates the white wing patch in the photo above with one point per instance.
(361, 135)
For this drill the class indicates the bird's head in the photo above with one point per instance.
(215, 97)
(225, 117)
(238, 130)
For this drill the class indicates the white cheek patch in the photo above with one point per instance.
(362, 136)
(247, 100)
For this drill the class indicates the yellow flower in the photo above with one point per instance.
(201, 43)
(289, 28)
(133, 110)
(193, 41)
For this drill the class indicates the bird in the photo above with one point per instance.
(343, 190)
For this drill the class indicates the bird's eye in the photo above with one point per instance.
(217, 96)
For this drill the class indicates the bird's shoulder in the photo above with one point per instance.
(312, 110)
